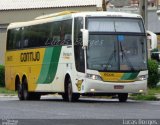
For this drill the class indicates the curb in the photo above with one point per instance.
(7, 95)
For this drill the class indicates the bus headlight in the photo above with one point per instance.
(142, 77)
(94, 77)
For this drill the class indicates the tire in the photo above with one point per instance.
(25, 90)
(29, 95)
(20, 92)
(69, 95)
(123, 97)
(70, 91)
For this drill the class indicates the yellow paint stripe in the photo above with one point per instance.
(113, 77)
(110, 76)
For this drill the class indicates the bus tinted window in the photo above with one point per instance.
(47, 34)
(14, 39)
(9, 40)
(67, 28)
(115, 25)
(129, 25)
(102, 25)
(54, 37)
(78, 51)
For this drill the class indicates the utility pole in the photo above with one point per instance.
(157, 4)
(143, 10)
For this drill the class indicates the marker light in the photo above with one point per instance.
(92, 90)
(141, 91)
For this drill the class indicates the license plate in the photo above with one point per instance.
(118, 87)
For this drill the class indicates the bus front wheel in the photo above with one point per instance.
(123, 97)
(69, 95)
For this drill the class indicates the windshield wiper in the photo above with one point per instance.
(113, 54)
(124, 56)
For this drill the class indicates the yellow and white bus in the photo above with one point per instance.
(73, 54)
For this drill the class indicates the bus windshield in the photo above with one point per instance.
(112, 51)
(115, 25)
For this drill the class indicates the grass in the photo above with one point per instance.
(154, 91)
(6, 92)
(150, 96)
(144, 97)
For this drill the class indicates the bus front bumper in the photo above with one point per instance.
(95, 86)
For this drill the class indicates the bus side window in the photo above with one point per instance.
(78, 51)
(67, 39)
(66, 31)
(10, 36)
(55, 33)
(17, 39)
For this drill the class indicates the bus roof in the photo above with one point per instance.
(70, 14)
(108, 14)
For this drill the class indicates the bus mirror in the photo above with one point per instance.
(85, 37)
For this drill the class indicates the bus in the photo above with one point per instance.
(77, 54)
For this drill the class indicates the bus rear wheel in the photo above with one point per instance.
(20, 92)
(25, 90)
(29, 95)
(123, 97)
(23, 93)
(69, 95)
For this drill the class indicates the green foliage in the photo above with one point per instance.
(154, 91)
(7, 92)
(144, 97)
(153, 77)
(2, 76)
(151, 95)
(154, 50)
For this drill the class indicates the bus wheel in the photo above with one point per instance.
(25, 90)
(20, 92)
(69, 95)
(123, 97)
(70, 91)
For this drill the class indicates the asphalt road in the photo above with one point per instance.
(54, 108)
